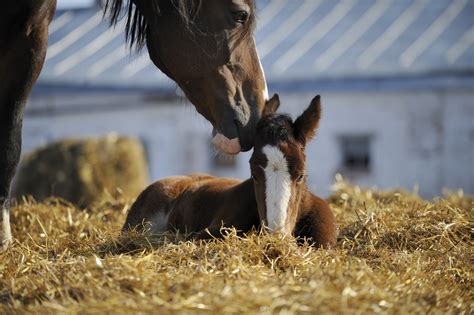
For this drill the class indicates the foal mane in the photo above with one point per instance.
(136, 25)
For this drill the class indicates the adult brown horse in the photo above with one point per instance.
(206, 46)
(276, 195)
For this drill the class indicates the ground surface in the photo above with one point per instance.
(396, 254)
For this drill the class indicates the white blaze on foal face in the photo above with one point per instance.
(277, 188)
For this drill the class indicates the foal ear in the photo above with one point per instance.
(305, 125)
(271, 106)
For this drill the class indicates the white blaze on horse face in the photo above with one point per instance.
(277, 188)
(265, 90)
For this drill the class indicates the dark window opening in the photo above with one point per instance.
(356, 153)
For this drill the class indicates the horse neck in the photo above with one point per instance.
(21, 16)
(245, 188)
(243, 196)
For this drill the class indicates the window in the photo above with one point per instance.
(355, 153)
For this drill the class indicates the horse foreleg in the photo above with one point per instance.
(10, 138)
(5, 230)
(209, 233)
(21, 59)
(316, 223)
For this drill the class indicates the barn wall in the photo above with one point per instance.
(418, 138)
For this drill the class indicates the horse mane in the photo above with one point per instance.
(136, 25)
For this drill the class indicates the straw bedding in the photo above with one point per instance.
(397, 253)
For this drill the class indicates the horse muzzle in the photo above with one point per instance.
(235, 138)
(226, 145)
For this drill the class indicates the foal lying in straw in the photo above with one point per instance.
(276, 196)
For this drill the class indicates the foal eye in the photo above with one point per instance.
(300, 179)
(254, 177)
(240, 16)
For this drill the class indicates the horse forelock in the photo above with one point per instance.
(275, 128)
(136, 24)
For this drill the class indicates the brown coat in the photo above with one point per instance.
(194, 203)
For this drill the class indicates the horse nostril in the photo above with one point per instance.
(245, 136)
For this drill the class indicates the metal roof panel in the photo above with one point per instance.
(297, 39)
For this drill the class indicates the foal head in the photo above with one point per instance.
(207, 47)
(278, 163)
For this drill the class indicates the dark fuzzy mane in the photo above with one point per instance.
(275, 128)
(136, 25)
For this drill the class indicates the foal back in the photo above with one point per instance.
(200, 205)
(197, 204)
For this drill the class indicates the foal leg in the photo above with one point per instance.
(207, 234)
(22, 53)
(317, 223)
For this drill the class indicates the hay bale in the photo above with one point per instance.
(83, 171)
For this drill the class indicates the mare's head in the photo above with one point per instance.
(207, 47)
(278, 163)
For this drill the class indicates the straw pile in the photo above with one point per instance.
(397, 253)
(83, 171)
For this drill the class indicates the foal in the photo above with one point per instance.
(275, 196)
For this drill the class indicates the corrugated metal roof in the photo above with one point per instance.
(297, 40)
(75, 4)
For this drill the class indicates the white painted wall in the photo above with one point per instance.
(420, 138)
(423, 138)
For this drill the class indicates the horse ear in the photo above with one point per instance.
(271, 106)
(305, 125)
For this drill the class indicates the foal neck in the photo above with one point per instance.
(245, 188)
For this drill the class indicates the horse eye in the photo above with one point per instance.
(240, 16)
(254, 177)
(300, 179)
